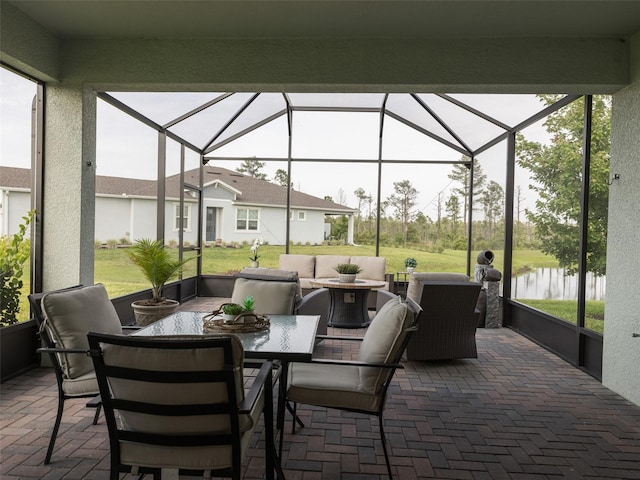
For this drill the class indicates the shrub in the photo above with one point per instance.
(14, 252)
(112, 243)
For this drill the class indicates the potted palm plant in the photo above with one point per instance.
(158, 267)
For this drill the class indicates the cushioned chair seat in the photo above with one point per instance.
(64, 318)
(81, 386)
(337, 387)
(358, 387)
(187, 390)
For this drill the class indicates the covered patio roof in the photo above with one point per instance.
(465, 124)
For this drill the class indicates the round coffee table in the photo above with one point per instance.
(348, 301)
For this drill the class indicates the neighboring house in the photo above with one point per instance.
(236, 208)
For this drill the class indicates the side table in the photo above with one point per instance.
(348, 301)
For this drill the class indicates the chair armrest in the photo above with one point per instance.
(264, 376)
(389, 278)
(355, 363)
(62, 350)
(383, 297)
(338, 337)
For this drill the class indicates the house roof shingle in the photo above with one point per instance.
(253, 191)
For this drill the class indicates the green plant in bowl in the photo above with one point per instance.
(232, 309)
(348, 268)
(410, 262)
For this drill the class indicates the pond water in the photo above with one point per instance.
(553, 284)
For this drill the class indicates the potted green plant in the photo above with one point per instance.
(158, 266)
(410, 263)
(248, 304)
(347, 272)
(230, 312)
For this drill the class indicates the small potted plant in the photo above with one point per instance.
(347, 272)
(410, 263)
(230, 312)
(248, 304)
(254, 253)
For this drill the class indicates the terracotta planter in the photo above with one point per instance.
(146, 314)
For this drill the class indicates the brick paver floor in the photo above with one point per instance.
(515, 412)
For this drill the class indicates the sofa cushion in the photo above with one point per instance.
(303, 264)
(373, 268)
(414, 288)
(326, 264)
(70, 315)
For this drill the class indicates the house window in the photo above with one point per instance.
(247, 219)
(186, 217)
(302, 216)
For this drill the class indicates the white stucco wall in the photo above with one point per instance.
(621, 358)
(190, 234)
(113, 218)
(15, 205)
(311, 229)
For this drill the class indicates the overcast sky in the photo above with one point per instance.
(126, 147)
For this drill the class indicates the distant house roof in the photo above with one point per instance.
(252, 191)
(16, 178)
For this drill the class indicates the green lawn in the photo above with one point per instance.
(120, 276)
(568, 310)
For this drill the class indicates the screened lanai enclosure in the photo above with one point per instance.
(449, 162)
(435, 175)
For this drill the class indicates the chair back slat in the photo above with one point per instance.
(179, 392)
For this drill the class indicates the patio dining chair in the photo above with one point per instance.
(362, 385)
(278, 292)
(176, 405)
(64, 318)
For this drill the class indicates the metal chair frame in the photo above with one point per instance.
(225, 376)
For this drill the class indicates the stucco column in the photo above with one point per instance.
(350, 230)
(621, 355)
(69, 186)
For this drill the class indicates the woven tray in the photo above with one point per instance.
(244, 323)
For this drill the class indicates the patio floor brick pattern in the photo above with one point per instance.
(516, 412)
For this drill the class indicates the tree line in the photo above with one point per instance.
(555, 175)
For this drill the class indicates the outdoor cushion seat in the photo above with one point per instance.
(202, 426)
(278, 292)
(64, 318)
(359, 386)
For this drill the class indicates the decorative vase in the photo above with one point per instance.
(485, 257)
(255, 264)
(410, 269)
(347, 277)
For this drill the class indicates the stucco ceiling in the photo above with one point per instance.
(336, 19)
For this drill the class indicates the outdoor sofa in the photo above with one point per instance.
(313, 267)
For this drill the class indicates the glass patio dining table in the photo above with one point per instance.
(289, 338)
